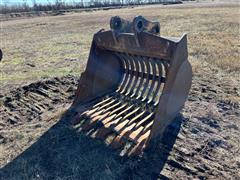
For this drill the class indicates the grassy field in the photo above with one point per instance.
(54, 46)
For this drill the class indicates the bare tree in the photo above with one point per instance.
(61, 4)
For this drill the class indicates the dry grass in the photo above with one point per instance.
(53, 46)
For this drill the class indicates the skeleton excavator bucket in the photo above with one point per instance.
(134, 85)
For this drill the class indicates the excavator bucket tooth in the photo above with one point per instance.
(134, 85)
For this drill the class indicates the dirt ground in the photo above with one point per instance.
(37, 142)
(206, 146)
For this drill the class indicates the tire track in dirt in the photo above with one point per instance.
(32, 101)
(28, 111)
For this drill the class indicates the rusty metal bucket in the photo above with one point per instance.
(134, 85)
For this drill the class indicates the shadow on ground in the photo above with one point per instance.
(64, 153)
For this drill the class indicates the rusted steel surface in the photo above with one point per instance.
(134, 85)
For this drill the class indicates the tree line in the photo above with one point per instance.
(74, 4)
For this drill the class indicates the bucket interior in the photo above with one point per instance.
(124, 117)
